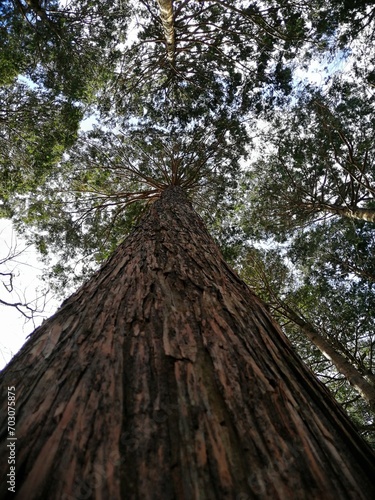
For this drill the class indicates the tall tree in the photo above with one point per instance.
(313, 191)
(205, 387)
(165, 377)
(329, 320)
(319, 158)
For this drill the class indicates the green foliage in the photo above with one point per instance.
(36, 129)
(54, 59)
(318, 159)
(69, 49)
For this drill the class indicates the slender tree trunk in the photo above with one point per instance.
(164, 377)
(167, 19)
(345, 367)
(357, 213)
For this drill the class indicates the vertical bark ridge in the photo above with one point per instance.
(164, 377)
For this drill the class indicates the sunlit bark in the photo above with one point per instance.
(358, 213)
(166, 16)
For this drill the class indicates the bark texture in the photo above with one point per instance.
(357, 213)
(354, 213)
(164, 377)
(167, 19)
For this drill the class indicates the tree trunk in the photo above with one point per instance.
(164, 377)
(166, 16)
(357, 213)
(351, 373)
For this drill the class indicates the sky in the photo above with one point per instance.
(27, 284)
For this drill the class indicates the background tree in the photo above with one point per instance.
(44, 91)
(36, 128)
(329, 321)
(311, 194)
(320, 159)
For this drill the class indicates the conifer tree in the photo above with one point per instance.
(165, 377)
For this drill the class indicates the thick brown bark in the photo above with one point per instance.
(164, 377)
